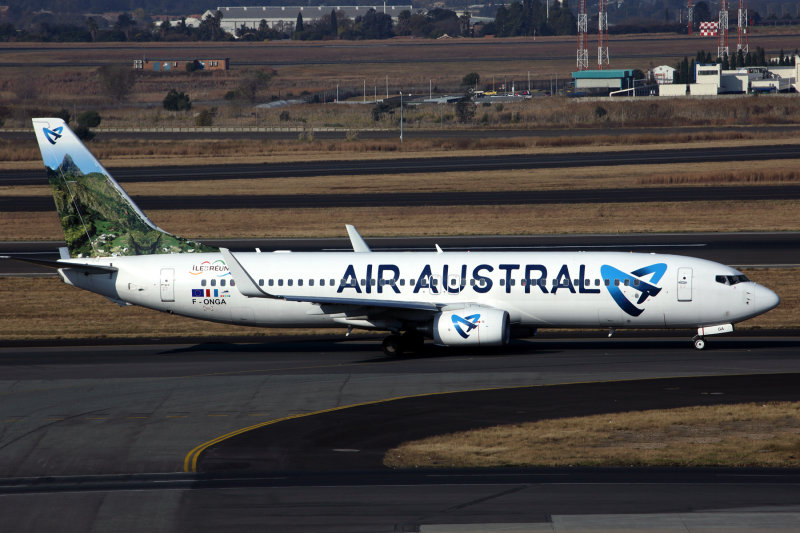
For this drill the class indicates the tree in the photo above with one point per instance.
(117, 81)
(85, 121)
(465, 109)
(334, 24)
(701, 12)
(471, 80)
(177, 101)
(298, 26)
(92, 25)
(253, 82)
(125, 24)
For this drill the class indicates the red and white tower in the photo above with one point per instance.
(722, 30)
(583, 38)
(742, 43)
(602, 35)
(689, 17)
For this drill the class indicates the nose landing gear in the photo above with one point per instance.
(699, 342)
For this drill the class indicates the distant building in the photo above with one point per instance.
(284, 17)
(662, 74)
(168, 65)
(602, 82)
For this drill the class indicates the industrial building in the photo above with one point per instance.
(169, 65)
(602, 82)
(711, 80)
(284, 17)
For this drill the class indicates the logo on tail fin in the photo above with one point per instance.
(53, 135)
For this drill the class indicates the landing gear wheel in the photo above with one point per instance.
(393, 346)
(699, 343)
(413, 341)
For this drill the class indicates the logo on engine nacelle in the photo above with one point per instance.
(471, 322)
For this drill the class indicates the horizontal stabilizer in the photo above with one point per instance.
(85, 267)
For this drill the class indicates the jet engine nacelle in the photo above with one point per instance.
(476, 325)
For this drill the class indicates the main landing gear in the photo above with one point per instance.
(409, 342)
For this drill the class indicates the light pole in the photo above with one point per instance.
(401, 116)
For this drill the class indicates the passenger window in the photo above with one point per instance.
(636, 283)
(402, 282)
(472, 282)
(222, 283)
(290, 282)
(616, 282)
(280, 282)
(607, 282)
(322, 282)
(261, 283)
(202, 283)
(502, 282)
(627, 282)
(513, 282)
(597, 282)
(271, 282)
(299, 282)
(311, 283)
(233, 283)
(213, 283)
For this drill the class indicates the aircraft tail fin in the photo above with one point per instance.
(98, 218)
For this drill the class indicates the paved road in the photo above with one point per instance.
(113, 411)
(410, 134)
(737, 249)
(424, 199)
(431, 164)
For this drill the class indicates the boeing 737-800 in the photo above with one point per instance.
(455, 298)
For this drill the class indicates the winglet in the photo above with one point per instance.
(244, 282)
(355, 238)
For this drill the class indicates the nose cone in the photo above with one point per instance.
(766, 299)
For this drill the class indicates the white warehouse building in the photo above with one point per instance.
(284, 17)
(711, 80)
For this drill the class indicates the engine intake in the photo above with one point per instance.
(476, 325)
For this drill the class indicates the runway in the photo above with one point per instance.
(426, 199)
(100, 414)
(736, 249)
(429, 164)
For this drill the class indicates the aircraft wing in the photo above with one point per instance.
(248, 287)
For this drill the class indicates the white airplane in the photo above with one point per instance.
(455, 298)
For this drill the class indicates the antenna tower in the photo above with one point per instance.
(689, 17)
(722, 31)
(583, 38)
(602, 35)
(742, 43)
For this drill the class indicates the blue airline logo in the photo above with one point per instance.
(634, 281)
(53, 135)
(471, 322)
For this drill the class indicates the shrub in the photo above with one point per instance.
(177, 101)
(206, 117)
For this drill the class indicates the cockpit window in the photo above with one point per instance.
(732, 280)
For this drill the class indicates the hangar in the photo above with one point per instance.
(602, 82)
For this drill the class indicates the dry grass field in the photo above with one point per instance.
(745, 435)
(32, 70)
